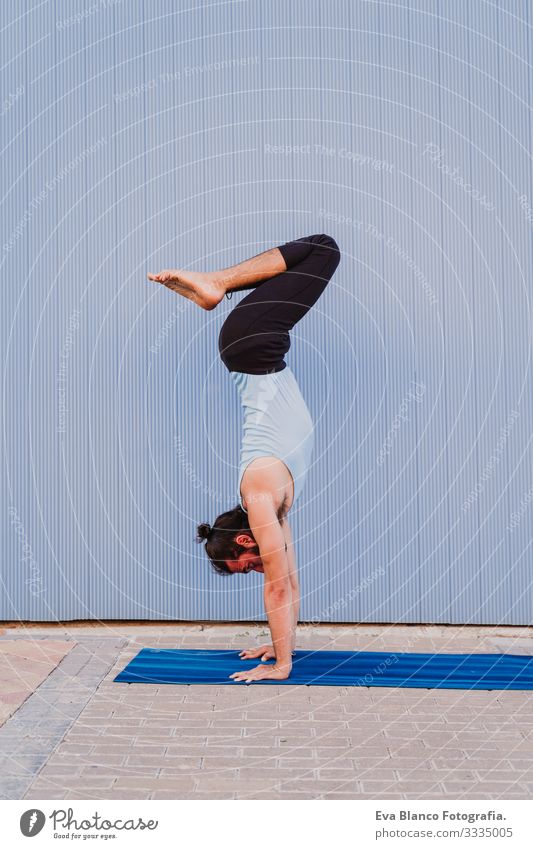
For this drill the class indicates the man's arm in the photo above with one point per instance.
(293, 578)
(265, 652)
(270, 538)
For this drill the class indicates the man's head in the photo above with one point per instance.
(230, 544)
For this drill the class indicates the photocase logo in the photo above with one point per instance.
(63, 824)
(32, 822)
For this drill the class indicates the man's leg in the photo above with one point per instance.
(208, 288)
(255, 337)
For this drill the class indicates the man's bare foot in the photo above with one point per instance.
(206, 290)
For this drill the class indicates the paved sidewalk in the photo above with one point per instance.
(24, 665)
(82, 736)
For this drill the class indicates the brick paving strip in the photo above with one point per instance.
(143, 741)
(24, 665)
(29, 737)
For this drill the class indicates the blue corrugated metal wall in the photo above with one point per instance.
(137, 136)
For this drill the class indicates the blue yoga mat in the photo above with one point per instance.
(339, 669)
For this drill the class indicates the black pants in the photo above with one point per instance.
(255, 336)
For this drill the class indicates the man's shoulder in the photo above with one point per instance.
(265, 482)
(266, 474)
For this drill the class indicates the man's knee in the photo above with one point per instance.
(329, 244)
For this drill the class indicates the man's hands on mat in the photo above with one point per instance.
(265, 652)
(259, 673)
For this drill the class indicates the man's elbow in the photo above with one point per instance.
(278, 591)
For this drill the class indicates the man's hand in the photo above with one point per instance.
(265, 652)
(259, 673)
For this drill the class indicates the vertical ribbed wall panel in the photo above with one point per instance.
(141, 136)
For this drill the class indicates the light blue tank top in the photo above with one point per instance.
(276, 423)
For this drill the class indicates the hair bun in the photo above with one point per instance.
(204, 531)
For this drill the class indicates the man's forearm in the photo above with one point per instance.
(279, 610)
(295, 609)
(293, 580)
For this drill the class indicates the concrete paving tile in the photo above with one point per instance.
(170, 794)
(129, 793)
(339, 774)
(303, 763)
(61, 785)
(155, 761)
(201, 751)
(150, 783)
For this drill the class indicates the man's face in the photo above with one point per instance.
(249, 559)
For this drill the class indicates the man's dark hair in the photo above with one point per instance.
(219, 539)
